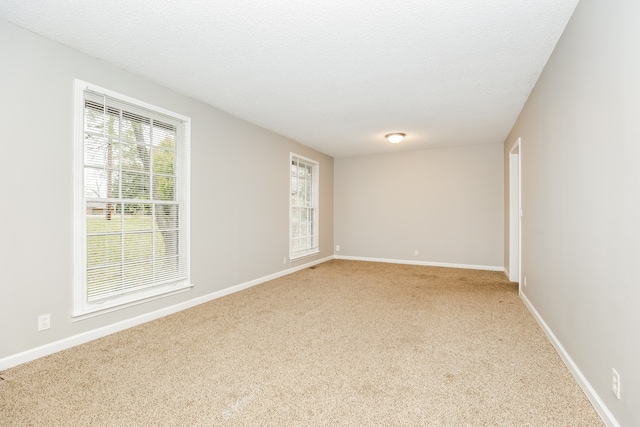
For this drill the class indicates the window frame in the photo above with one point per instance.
(315, 200)
(82, 307)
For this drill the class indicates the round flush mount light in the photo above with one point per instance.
(395, 137)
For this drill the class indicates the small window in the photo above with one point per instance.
(131, 201)
(303, 216)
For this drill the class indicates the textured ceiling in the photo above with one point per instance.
(336, 75)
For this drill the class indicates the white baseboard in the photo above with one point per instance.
(427, 263)
(594, 398)
(72, 341)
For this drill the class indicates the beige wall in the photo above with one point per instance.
(240, 179)
(447, 203)
(581, 199)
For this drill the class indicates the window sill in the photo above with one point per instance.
(118, 304)
(304, 255)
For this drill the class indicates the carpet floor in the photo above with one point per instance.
(339, 344)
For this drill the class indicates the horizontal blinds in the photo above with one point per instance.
(134, 183)
(303, 209)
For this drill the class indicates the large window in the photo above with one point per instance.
(131, 201)
(303, 216)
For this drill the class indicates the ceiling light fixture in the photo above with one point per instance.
(395, 137)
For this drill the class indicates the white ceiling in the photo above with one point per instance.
(335, 75)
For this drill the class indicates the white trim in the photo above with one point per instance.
(82, 86)
(83, 309)
(426, 263)
(306, 159)
(600, 407)
(315, 182)
(515, 212)
(120, 306)
(79, 209)
(305, 255)
(72, 341)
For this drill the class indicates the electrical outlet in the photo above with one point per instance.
(416, 252)
(284, 260)
(525, 281)
(44, 322)
(615, 383)
(337, 248)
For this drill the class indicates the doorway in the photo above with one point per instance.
(515, 212)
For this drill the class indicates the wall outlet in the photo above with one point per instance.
(284, 260)
(44, 322)
(525, 281)
(416, 252)
(337, 248)
(615, 383)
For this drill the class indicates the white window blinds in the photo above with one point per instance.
(304, 207)
(135, 200)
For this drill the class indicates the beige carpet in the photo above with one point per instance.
(345, 343)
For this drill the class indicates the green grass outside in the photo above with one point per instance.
(104, 251)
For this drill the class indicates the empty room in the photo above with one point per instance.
(320, 213)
